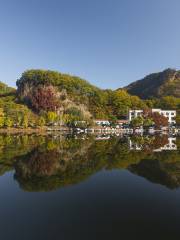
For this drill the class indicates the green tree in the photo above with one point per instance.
(51, 117)
(137, 122)
(2, 122)
(8, 122)
(121, 103)
(74, 111)
(41, 121)
(148, 122)
(1, 118)
(25, 121)
(169, 102)
(19, 120)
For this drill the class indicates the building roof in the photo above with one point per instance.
(122, 121)
(101, 120)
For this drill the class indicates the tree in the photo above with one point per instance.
(25, 121)
(148, 122)
(44, 98)
(8, 122)
(74, 111)
(1, 112)
(18, 120)
(159, 120)
(178, 119)
(51, 117)
(2, 122)
(41, 121)
(66, 118)
(121, 103)
(137, 122)
(1, 117)
(169, 102)
(154, 118)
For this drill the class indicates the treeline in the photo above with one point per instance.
(47, 97)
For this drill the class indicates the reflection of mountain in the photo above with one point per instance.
(156, 171)
(66, 164)
(47, 163)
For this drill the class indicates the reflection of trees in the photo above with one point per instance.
(38, 164)
(44, 170)
(14, 146)
(156, 171)
(47, 163)
(53, 166)
(160, 141)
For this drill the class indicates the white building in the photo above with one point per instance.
(134, 114)
(102, 122)
(169, 114)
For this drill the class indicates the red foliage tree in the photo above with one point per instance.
(147, 113)
(44, 98)
(159, 120)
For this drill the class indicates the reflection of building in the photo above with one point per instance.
(103, 137)
(169, 114)
(134, 145)
(170, 146)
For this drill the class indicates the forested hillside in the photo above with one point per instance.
(70, 91)
(166, 83)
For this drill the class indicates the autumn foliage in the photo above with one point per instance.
(44, 98)
(158, 119)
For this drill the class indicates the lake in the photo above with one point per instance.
(89, 187)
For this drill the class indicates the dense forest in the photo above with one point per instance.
(43, 97)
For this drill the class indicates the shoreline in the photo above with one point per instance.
(31, 130)
(49, 130)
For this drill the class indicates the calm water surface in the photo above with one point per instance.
(85, 187)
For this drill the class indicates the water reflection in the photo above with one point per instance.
(156, 143)
(45, 163)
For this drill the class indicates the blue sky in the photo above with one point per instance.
(108, 42)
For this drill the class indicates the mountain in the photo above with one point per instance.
(72, 91)
(161, 84)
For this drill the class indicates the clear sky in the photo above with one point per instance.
(108, 42)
